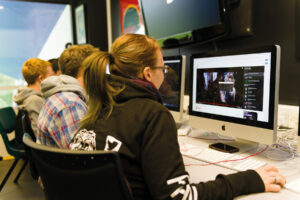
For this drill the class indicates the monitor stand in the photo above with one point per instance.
(212, 137)
(243, 145)
(208, 135)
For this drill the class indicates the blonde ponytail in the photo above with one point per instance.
(99, 90)
(129, 55)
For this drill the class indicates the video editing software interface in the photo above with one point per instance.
(170, 88)
(235, 86)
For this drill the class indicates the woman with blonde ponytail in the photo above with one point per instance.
(126, 115)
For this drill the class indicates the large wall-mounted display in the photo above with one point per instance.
(29, 30)
(176, 23)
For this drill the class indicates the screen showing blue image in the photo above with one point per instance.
(80, 24)
(31, 30)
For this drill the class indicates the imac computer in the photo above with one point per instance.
(172, 88)
(236, 93)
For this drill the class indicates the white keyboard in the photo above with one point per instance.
(184, 130)
(293, 185)
(213, 156)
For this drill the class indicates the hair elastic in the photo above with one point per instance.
(111, 58)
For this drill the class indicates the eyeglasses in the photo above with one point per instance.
(164, 68)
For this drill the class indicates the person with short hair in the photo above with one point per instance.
(34, 71)
(65, 97)
(126, 114)
(54, 64)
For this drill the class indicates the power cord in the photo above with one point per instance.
(286, 146)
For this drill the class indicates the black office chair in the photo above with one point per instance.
(25, 123)
(72, 175)
(7, 126)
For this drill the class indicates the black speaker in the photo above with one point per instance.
(241, 19)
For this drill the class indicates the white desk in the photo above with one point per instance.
(197, 175)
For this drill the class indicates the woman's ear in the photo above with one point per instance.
(147, 73)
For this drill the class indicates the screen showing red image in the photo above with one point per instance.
(131, 19)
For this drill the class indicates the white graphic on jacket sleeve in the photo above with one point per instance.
(184, 190)
(112, 144)
(84, 140)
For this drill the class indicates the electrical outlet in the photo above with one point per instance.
(288, 116)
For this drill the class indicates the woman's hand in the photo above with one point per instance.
(272, 179)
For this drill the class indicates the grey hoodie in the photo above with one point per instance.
(62, 83)
(32, 101)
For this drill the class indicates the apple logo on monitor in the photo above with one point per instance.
(223, 127)
(169, 1)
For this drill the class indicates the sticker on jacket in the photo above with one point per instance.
(112, 144)
(84, 140)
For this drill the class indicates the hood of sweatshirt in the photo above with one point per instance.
(23, 93)
(62, 83)
(132, 89)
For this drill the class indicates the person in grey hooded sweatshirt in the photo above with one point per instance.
(30, 98)
(65, 103)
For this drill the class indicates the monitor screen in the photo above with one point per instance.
(172, 88)
(80, 24)
(235, 87)
(29, 30)
(181, 17)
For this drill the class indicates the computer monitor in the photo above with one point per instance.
(172, 88)
(236, 93)
(188, 21)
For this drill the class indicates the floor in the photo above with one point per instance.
(27, 188)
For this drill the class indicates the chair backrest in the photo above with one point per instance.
(7, 126)
(70, 174)
(7, 120)
(22, 125)
(23, 117)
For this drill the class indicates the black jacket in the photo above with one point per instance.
(143, 131)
